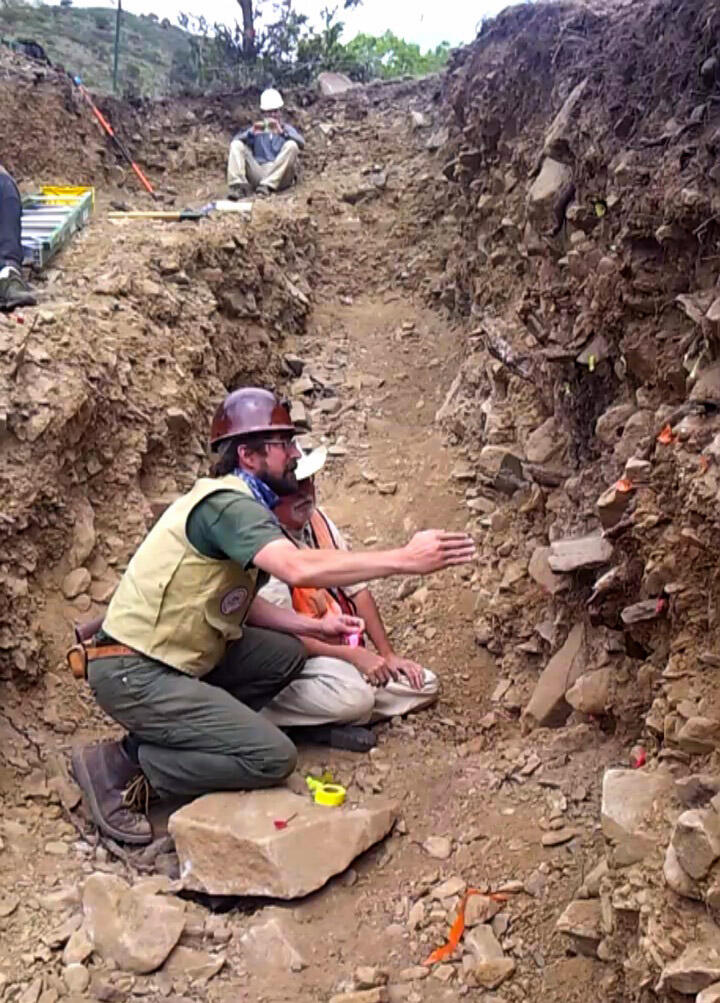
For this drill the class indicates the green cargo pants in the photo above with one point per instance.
(201, 735)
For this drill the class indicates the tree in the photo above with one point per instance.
(66, 3)
(248, 42)
(287, 50)
(389, 56)
(250, 10)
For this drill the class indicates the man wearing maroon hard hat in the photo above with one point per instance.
(188, 653)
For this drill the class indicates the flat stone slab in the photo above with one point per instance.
(548, 706)
(581, 921)
(272, 943)
(131, 927)
(628, 801)
(228, 844)
(697, 968)
(541, 572)
(331, 84)
(583, 552)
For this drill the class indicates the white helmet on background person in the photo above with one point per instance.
(271, 100)
(310, 463)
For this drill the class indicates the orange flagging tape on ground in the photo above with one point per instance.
(666, 436)
(624, 485)
(458, 927)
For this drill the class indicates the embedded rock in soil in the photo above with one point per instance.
(609, 426)
(540, 571)
(612, 505)
(135, 930)
(549, 195)
(590, 693)
(707, 385)
(439, 847)
(709, 995)
(491, 973)
(697, 968)
(712, 895)
(581, 921)
(332, 84)
(228, 845)
(638, 428)
(76, 978)
(83, 532)
(556, 837)
(271, 943)
(378, 995)
(483, 944)
(641, 612)
(480, 909)
(558, 136)
(190, 963)
(547, 441)
(448, 889)
(416, 916)
(578, 554)
(590, 888)
(629, 799)
(78, 948)
(547, 706)
(696, 840)
(369, 977)
(75, 582)
(699, 735)
(697, 789)
(677, 879)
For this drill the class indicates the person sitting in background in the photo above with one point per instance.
(264, 158)
(341, 688)
(14, 290)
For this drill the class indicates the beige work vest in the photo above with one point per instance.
(174, 604)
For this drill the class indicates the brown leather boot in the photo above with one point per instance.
(112, 783)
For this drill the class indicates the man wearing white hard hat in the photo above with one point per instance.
(342, 688)
(263, 158)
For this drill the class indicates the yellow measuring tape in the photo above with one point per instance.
(325, 792)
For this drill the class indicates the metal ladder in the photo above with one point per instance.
(49, 220)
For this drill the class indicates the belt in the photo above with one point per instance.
(78, 656)
(109, 651)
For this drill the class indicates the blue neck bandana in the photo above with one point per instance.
(259, 490)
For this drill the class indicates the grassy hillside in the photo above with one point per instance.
(81, 40)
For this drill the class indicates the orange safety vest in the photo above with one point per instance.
(316, 602)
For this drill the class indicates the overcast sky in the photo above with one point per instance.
(427, 22)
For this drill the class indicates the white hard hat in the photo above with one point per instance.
(271, 100)
(310, 463)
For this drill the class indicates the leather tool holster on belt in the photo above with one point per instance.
(84, 651)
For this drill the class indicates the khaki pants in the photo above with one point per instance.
(279, 173)
(332, 691)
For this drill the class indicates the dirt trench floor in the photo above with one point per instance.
(462, 770)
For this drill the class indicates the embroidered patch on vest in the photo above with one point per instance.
(233, 601)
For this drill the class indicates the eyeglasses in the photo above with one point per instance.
(287, 444)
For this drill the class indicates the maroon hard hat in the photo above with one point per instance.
(249, 410)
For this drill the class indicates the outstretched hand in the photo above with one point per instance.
(434, 549)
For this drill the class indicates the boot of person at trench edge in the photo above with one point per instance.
(14, 290)
(189, 655)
